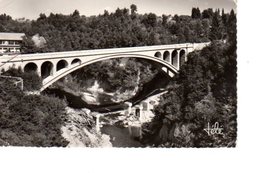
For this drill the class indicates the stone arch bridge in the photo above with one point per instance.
(53, 66)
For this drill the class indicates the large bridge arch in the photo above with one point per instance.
(51, 79)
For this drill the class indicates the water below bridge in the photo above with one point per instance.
(119, 135)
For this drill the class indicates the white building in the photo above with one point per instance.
(10, 43)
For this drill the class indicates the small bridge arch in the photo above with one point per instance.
(166, 56)
(47, 69)
(158, 54)
(76, 61)
(31, 67)
(61, 64)
(182, 57)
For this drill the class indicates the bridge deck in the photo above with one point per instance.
(97, 52)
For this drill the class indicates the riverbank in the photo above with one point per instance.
(125, 127)
(79, 130)
(80, 127)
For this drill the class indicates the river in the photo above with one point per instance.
(119, 135)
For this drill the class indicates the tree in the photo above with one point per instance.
(106, 13)
(216, 32)
(187, 34)
(76, 14)
(28, 45)
(231, 27)
(164, 20)
(150, 20)
(42, 17)
(207, 13)
(133, 8)
(195, 13)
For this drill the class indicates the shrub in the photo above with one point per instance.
(31, 80)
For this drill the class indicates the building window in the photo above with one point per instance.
(11, 42)
(3, 42)
(7, 49)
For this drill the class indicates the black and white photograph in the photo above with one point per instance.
(121, 74)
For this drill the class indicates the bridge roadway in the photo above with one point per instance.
(53, 66)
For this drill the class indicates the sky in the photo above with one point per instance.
(30, 9)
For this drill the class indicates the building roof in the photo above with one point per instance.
(11, 36)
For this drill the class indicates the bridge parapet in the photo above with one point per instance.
(199, 46)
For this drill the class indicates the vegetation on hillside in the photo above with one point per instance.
(117, 75)
(30, 120)
(31, 80)
(204, 93)
(122, 28)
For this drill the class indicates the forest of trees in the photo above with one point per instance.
(122, 28)
(203, 92)
(30, 120)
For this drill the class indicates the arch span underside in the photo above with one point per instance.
(30, 67)
(174, 58)
(166, 56)
(182, 57)
(76, 60)
(61, 64)
(47, 69)
(158, 54)
(79, 64)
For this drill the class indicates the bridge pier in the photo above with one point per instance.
(53, 71)
(39, 71)
(170, 73)
(175, 58)
(98, 123)
(178, 59)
